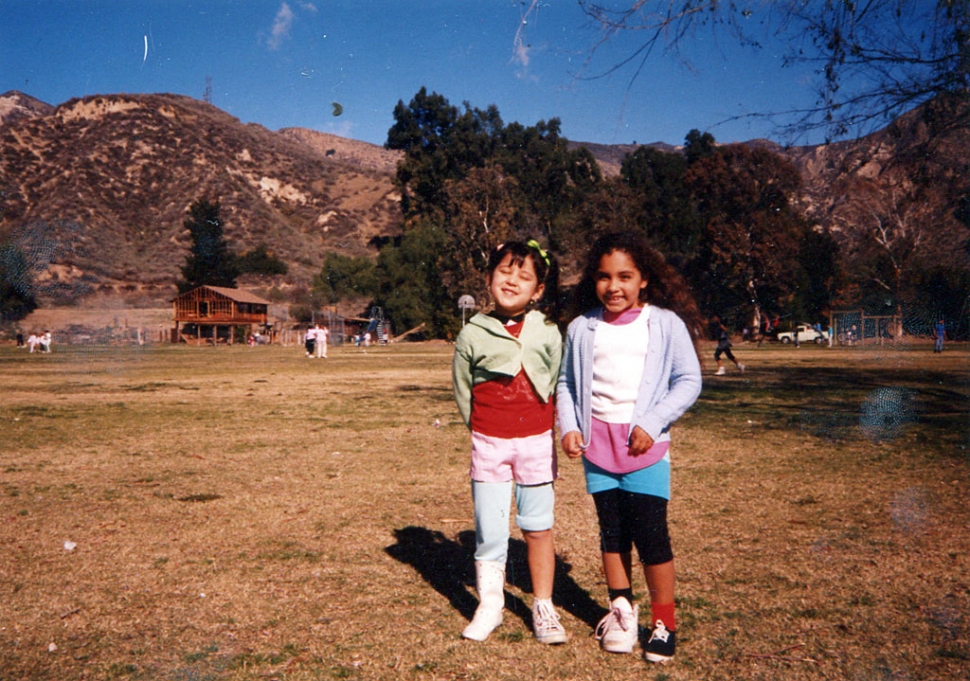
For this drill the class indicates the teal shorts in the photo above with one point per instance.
(653, 480)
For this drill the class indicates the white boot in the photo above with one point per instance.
(490, 579)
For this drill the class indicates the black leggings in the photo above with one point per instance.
(629, 519)
(726, 351)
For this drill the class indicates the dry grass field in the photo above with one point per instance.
(184, 514)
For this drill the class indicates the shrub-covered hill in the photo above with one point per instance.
(99, 187)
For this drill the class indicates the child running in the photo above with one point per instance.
(505, 370)
(630, 369)
(723, 346)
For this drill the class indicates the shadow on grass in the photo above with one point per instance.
(448, 566)
(845, 402)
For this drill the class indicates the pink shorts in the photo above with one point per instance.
(526, 460)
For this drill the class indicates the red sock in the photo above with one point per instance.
(665, 613)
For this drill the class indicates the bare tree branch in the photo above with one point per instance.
(874, 60)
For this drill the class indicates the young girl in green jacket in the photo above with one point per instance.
(505, 370)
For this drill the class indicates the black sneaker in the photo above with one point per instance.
(660, 647)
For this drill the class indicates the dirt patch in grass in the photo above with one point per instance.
(246, 513)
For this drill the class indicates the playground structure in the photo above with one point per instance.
(377, 329)
(347, 329)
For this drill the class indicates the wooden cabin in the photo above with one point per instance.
(211, 314)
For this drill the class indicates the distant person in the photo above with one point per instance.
(321, 341)
(45, 341)
(939, 333)
(723, 347)
(20, 339)
(505, 368)
(33, 341)
(630, 370)
(765, 331)
(309, 341)
(367, 338)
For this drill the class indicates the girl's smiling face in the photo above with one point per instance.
(513, 286)
(619, 282)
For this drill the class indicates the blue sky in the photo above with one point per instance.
(284, 64)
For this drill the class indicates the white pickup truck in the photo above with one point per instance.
(806, 334)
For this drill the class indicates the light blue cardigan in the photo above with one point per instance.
(670, 384)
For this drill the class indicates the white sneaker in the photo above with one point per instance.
(740, 367)
(545, 623)
(720, 371)
(618, 631)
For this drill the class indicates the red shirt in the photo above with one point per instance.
(509, 406)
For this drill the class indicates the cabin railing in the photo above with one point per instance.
(224, 317)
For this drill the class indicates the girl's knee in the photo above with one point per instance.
(537, 535)
(536, 505)
(536, 523)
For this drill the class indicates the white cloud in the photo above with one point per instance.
(281, 26)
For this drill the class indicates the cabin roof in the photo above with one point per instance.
(239, 295)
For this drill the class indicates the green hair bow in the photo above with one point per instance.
(532, 243)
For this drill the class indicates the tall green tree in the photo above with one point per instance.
(443, 145)
(468, 182)
(748, 261)
(345, 278)
(210, 261)
(440, 143)
(552, 180)
(823, 274)
(481, 214)
(698, 145)
(666, 209)
(410, 289)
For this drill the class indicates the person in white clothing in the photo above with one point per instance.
(321, 341)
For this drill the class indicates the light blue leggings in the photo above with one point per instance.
(493, 500)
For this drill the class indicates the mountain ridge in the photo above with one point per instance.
(122, 170)
(92, 169)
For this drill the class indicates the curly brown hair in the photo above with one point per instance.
(666, 287)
